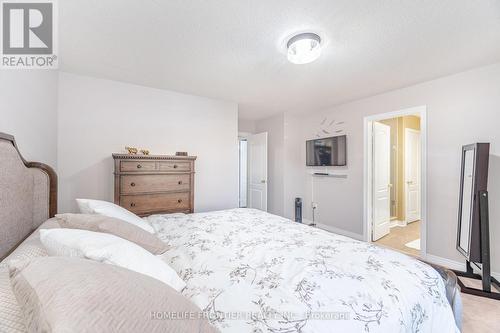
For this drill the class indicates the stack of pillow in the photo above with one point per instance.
(103, 274)
(110, 234)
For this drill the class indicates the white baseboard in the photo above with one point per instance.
(397, 223)
(336, 230)
(452, 264)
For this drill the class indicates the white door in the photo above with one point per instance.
(381, 180)
(412, 174)
(257, 171)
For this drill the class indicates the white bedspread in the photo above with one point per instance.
(256, 272)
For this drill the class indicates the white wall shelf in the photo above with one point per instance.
(332, 175)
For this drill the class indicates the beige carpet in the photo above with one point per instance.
(480, 315)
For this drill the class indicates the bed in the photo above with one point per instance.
(248, 270)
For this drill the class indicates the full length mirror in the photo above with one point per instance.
(466, 201)
(473, 233)
(473, 180)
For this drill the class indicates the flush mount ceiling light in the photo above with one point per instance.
(304, 48)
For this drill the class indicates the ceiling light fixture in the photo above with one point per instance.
(304, 48)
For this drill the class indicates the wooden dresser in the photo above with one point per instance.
(154, 184)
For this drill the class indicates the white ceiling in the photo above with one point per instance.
(233, 49)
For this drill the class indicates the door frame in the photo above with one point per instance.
(421, 111)
(240, 176)
(242, 136)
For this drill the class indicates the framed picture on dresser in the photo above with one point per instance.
(154, 184)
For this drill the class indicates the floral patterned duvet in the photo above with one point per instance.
(251, 271)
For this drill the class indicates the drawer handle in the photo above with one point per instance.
(179, 201)
(139, 166)
(132, 204)
(175, 166)
(180, 182)
(132, 184)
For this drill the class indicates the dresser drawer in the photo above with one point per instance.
(137, 166)
(175, 166)
(150, 203)
(154, 184)
(132, 184)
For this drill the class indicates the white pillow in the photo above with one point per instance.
(109, 249)
(105, 208)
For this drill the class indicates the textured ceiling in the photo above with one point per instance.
(233, 49)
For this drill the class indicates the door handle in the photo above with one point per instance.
(263, 181)
(409, 182)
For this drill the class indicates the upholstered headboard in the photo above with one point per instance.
(28, 195)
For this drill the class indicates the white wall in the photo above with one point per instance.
(246, 125)
(293, 165)
(284, 162)
(28, 110)
(275, 151)
(100, 117)
(463, 108)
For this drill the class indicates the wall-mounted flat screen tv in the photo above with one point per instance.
(327, 152)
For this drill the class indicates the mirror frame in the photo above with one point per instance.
(465, 149)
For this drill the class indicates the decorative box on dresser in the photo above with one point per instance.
(154, 184)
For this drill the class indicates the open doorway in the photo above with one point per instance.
(395, 180)
(243, 172)
(253, 171)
